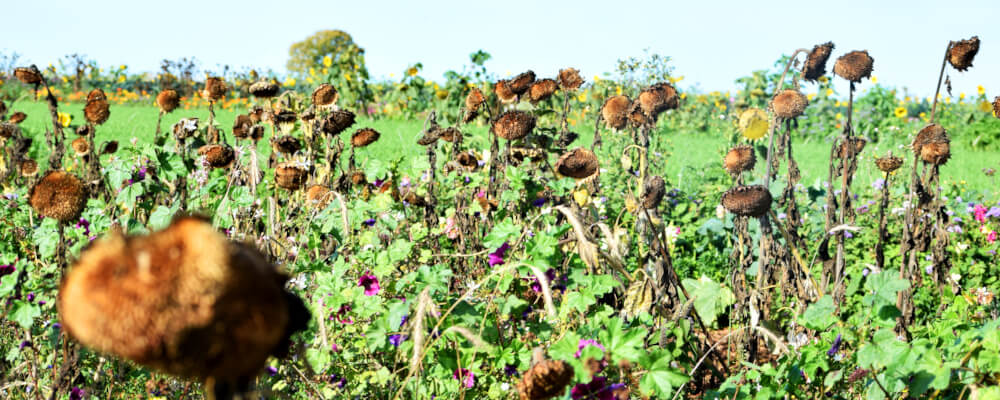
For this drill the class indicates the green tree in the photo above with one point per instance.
(336, 44)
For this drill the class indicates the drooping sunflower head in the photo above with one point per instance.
(854, 66)
(747, 201)
(789, 104)
(815, 65)
(962, 52)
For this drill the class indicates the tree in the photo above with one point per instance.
(336, 44)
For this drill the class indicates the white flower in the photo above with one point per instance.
(720, 211)
(955, 278)
(505, 386)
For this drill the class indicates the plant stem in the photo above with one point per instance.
(937, 90)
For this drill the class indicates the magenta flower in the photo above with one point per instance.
(496, 257)
(597, 389)
(991, 237)
(980, 212)
(342, 316)
(370, 283)
(587, 342)
(468, 378)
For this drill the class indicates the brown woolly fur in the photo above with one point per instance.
(859, 145)
(110, 147)
(84, 130)
(578, 163)
(29, 76)
(545, 380)
(97, 111)
(241, 126)
(59, 195)
(318, 196)
(215, 88)
(264, 89)
(888, 163)
(504, 92)
(468, 160)
(9, 130)
(80, 146)
(789, 104)
(338, 121)
(95, 95)
(29, 167)
(168, 100)
(18, 117)
(363, 137)
(183, 300)
(854, 66)
(748, 201)
(217, 155)
(451, 134)
(474, 100)
(933, 145)
(286, 144)
(257, 132)
(358, 178)
(996, 108)
(514, 125)
(658, 98)
(816, 61)
(615, 111)
(522, 82)
(960, 54)
(739, 159)
(289, 175)
(653, 189)
(569, 79)
(325, 96)
(541, 90)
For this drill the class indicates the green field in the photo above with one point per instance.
(688, 153)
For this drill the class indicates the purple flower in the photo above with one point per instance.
(994, 212)
(83, 223)
(402, 321)
(597, 389)
(24, 344)
(587, 342)
(378, 183)
(550, 276)
(370, 222)
(878, 184)
(865, 272)
(342, 316)
(468, 378)
(848, 234)
(863, 209)
(510, 370)
(76, 393)
(539, 202)
(396, 339)
(141, 174)
(337, 380)
(405, 182)
(929, 269)
(272, 371)
(7, 269)
(496, 257)
(370, 283)
(31, 297)
(835, 347)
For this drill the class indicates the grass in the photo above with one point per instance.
(689, 154)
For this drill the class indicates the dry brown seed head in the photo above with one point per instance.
(80, 146)
(358, 178)
(854, 66)
(653, 191)
(514, 125)
(468, 160)
(257, 114)
(215, 88)
(97, 111)
(657, 99)
(95, 95)
(578, 163)
(168, 100)
(996, 108)
(815, 65)
(286, 144)
(474, 99)
(748, 201)
(28, 167)
(308, 114)
(59, 195)
(84, 130)
(325, 96)
(217, 155)
(962, 52)
(364, 137)
(18, 117)
(789, 104)
(739, 159)
(257, 132)
(545, 380)
(859, 145)
(504, 92)
(264, 89)
(337, 122)
(185, 128)
(451, 134)
(110, 147)
(615, 111)
(933, 145)
(290, 175)
(569, 79)
(541, 90)
(522, 82)
(9, 130)
(29, 76)
(318, 196)
(241, 126)
(888, 163)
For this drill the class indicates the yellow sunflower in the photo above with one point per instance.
(65, 119)
(985, 106)
(901, 112)
(753, 123)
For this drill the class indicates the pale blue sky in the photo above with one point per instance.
(711, 42)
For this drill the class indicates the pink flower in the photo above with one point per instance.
(980, 213)
(370, 283)
(496, 257)
(587, 342)
(991, 237)
(450, 229)
(468, 378)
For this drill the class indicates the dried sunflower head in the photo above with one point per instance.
(514, 125)
(97, 111)
(241, 126)
(789, 104)
(28, 167)
(739, 159)
(888, 163)
(748, 201)
(522, 82)
(578, 163)
(653, 191)
(854, 66)
(962, 52)
(542, 90)
(337, 122)
(80, 146)
(815, 65)
(17, 117)
(286, 144)
(290, 175)
(933, 145)
(215, 88)
(217, 155)
(615, 111)
(59, 195)
(264, 89)
(364, 137)
(545, 380)
(168, 100)
(325, 96)
(569, 79)
(504, 92)
(657, 99)
(28, 75)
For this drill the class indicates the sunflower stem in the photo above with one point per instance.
(937, 90)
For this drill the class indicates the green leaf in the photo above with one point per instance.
(24, 313)
(161, 216)
(710, 298)
(503, 232)
(661, 379)
(819, 315)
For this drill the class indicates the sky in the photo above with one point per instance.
(710, 42)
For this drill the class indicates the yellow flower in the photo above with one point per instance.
(980, 90)
(839, 116)
(327, 61)
(618, 90)
(985, 106)
(441, 94)
(289, 82)
(312, 71)
(64, 119)
(121, 79)
(684, 96)
(900, 112)
(753, 123)
(347, 76)
(823, 79)
(810, 96)
(596, 78)
(582, 97)
(412, 71)
(582, 197)
(874, 79)
(122, 67)
(829, 92)
(923, 115)
(961, 96)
